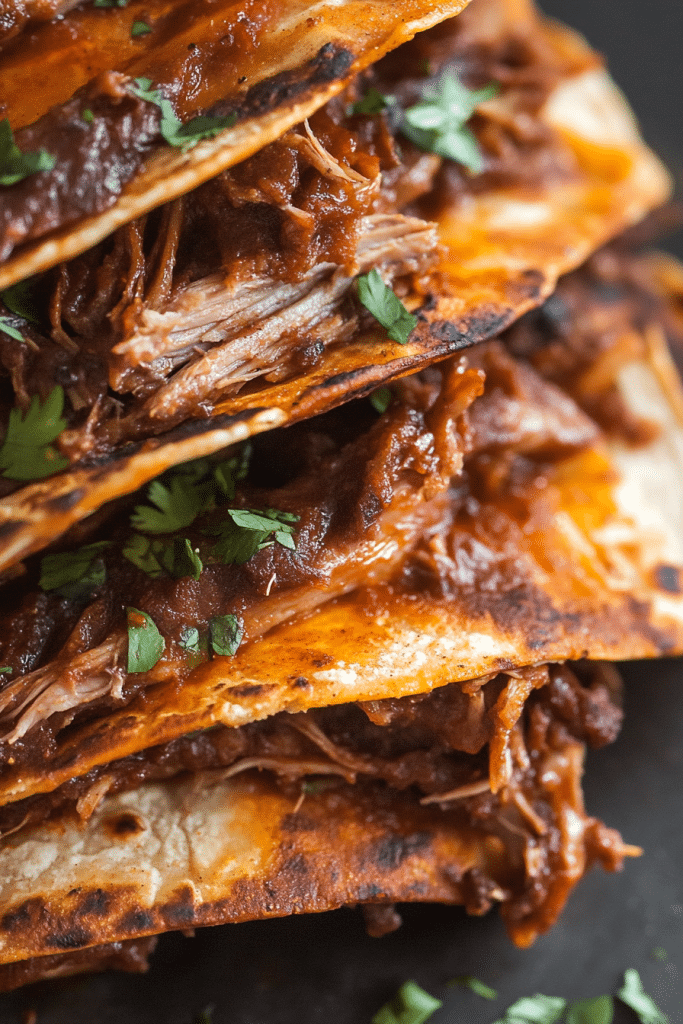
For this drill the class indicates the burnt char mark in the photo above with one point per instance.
(76, 938)
(65, 502)
(331, 63)
(301, 683)
(25, 915)
(181, 911)
(485, 323)
(248, 690)
(124, 825)
(668, 578)
(137, 922)
(390, 852)
(97, 903)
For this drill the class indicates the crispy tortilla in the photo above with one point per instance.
(594, 572)
(202, 851)
(504, 252)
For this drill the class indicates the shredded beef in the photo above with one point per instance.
(131, 956)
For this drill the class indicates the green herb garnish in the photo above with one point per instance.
(5, 668)
(140, 28)
(410, 1005)
(536, 1009)
(27, 452)
(634, 995)
(379, 300)
(7, 328)
(74, 574)
(374, 102)
(599, 1010)
(87, 116)
(110, 3)
(225, 635)
(380, 399)
(177, 506)
(15, 165)
(250, 530)
(20, 299)
(659, 953)
(438, 122)
(187, 135)
(145, 642)
(176, 558)
(189, 639)
(474, 985)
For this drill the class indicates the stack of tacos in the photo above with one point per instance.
(341, 458)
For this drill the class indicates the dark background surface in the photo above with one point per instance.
(325, 970)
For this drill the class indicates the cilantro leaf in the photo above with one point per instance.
(410, 1005)
(438, 122)
(5, 668)
(249, 530)
(374, 102)
(659, 953)
(87, 116)
(592, 1011)
(379, 300)
(6, 326)
(229, 472)
(177, 506)
(189, 639)
(15, 165)
(140, 28)
(110, 3)
(187, 135)
(20, 299)
(176, 558)
(476, 986)
(225, 635)
(634, 995)
(74, 574)
(380, 400)
(536, 1009)
(27, 452)
(145, 642)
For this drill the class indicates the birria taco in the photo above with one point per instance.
(187, 291)
(343, 679)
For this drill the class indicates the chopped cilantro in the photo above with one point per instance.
(5, 668)
(634, 995)
(410, 1005)
(176, 558)
(599, 1010)
(88, 116)
(110, 3)
(476, 986)
(536, 1009)
(225, 635)
(659, 954)
(189, 639)
(380, 399)
(27, 452)
(438, 122)
(7, 328)
(177, 506)
(379, 300)
(140, 28)
(145, 642)
(374, 102)
(20, 299)
(74, 574)
(187, 135)
(248, 531)
(15, 165)
(227, 473)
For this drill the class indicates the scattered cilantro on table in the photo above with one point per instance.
(599, 1010)
(187, 135)
(386, 307)
(26, 452)
(634, 995)
(474, 985)
(410, 1005)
